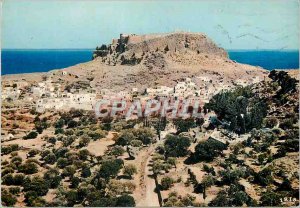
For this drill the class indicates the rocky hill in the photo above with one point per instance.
(140, 61)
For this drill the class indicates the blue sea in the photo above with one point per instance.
(26, 61)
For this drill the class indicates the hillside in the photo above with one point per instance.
(134, 61)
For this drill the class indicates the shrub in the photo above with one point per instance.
(28, 168)
(270, 198)
(68, 171)
(167, 182)
(6, 171)
(130, 170)
(14, 190)
(74, 182)
(117, 151)
(72, 124)
(8, 179)
(19, 179)
(36, 184)
(32, 152)
(8, 199)
(83, 154)
(84, 141)
(125, 201)
(31, 135)
(52, 177)
(50, 158)
(59, 123)
(271, 122)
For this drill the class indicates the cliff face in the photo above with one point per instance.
(134, 49)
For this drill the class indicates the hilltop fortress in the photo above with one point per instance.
(132, 49)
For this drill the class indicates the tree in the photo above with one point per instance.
(110, 168)
(116, 187)
(62, 162)
(8, 179)
(176, 146)
(8, 199)
(59, 123)
(125, 201)
(126, 137)
(208, 150)
(50, 158)
(117, 151)
(72, 124)
(69, 171)
(31, 135)
(145, 134)
(104, 202)
(86, 172)
(71, 197)
(84, 141)
(207, 182)
(166, 182)
(74, 182)
(53, 178)
(32, 152)
(36, 184)
(83, 154)
(28, 168)
(130, 170)
(184, 125)
(270, 198)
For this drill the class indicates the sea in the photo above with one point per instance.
(35, 60)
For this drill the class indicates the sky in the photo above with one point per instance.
(232, 24)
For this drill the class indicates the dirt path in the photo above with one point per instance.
(149, 197)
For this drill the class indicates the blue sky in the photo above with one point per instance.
(232, 24)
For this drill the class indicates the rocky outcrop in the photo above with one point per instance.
(134, 49)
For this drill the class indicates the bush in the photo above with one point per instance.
(270, 198)
(31, 135)
(8, 179)
(68, 171)
(62, 162)
(50, 158)
(83, 154)
(36, 184)
(166, 182)
(8, 149)
(117, 151)
(14, 190)
(53, 178)
(125, 201)
(72, 124)
(130, 170)
(74, 182)
(59, 123)
(84, 141)
(8, 199)
(271, 122)
(28, 168)
(6, 171)
(19, 179)
(33, 152)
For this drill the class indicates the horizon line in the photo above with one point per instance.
(227, 49)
